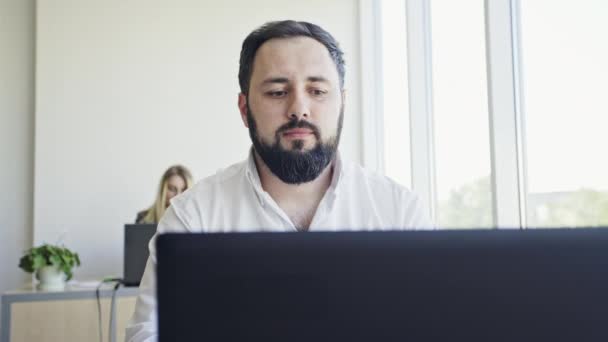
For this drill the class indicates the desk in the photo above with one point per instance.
(68, 315)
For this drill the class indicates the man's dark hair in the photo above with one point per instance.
(285, 29)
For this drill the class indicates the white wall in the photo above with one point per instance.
(126, 88)
(16, 136)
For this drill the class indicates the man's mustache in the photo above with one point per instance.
(298, 124)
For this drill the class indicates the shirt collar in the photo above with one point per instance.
(254, 177)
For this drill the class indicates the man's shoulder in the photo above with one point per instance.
(356, 175)
(210, 185)
(397, 206)
(225, 175)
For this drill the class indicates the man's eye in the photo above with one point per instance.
(278, 93)
(318, 92)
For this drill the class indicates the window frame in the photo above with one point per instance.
(505, 104)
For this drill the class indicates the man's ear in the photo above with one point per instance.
(242, 103)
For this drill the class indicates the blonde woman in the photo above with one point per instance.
(174, 181)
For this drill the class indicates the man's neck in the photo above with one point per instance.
(299, 201)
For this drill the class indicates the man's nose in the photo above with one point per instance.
(299, 107)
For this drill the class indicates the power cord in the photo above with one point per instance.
(118, 283)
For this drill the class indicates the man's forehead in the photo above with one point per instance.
(300, 57)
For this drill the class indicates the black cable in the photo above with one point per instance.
(99, 310)
(112, 312)
(118, 282)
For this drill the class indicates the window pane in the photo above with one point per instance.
(395, 95)
(462, 144)
(565, 67)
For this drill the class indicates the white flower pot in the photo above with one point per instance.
(51, 278)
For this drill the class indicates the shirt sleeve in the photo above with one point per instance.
(143, 324)
(415, 216)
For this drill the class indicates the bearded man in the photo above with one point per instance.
(292, 97)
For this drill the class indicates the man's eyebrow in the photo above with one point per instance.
(275, 80)
(284, 80)
(318, 79)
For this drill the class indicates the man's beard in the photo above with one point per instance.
(295, 166)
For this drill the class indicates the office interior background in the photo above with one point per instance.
(493, 111)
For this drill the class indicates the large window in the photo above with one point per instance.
(515, 109)
(565, 67)
(460, 109)
(395, 99)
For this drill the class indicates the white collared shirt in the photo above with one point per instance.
(233, 200)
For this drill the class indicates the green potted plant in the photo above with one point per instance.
(52, 265)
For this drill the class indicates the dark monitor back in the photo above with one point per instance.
(500, 285)
(137, 237)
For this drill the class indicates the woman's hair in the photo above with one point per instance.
(156, 211)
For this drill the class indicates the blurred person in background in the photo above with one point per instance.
(174, 181)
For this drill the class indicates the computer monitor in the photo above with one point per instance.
(495, 285)
(137, 237)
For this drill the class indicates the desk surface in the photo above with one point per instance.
(73, 291)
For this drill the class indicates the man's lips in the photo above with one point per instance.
(297, 133)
